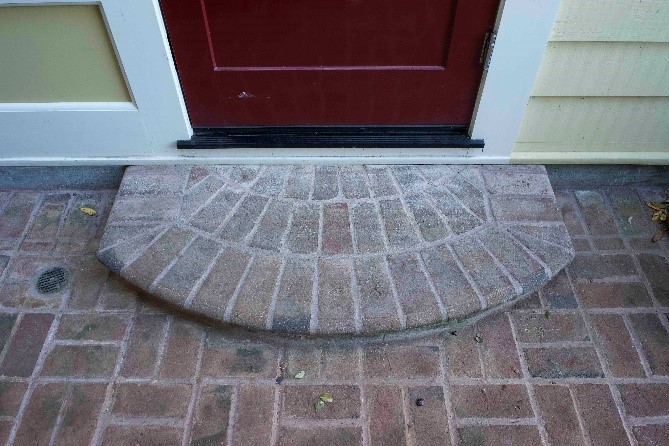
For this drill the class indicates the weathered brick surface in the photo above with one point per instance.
(601, 420)
(298, 402)
(491, 401)
(386, 419)
(25, 346)
(559, 415)
(117, 370)
(566, 362)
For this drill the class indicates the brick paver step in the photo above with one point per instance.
(336, 250)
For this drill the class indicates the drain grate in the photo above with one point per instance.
(52, 280)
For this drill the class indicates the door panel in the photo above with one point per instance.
(329, 62)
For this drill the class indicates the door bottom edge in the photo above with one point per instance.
(412, 136)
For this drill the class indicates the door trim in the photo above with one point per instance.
(139, 36)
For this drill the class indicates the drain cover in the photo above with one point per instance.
(52, 280)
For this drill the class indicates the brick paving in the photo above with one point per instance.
(583, 361)
(336, 250)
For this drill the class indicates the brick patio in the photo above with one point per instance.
(584, 361)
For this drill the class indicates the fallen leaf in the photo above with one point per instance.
(478, 339)
(88, 211)
(319, 405)
(300, 374)
(629, 219)
(326, 398)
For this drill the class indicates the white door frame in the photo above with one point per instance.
(145, 131)
(55, 133)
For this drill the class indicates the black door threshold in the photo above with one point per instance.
(452, 136)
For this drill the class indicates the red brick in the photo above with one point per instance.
(498, 348)
(462, 358)
(537, 328)
(386, 419)
(89, 276)
(145, 435)
(652, 434)
(145, 339)
(298, 359)
(180, 356)
(5, 429)
(402, 362)
(654, 340)
(117, 294)
(613, 295)
(16, 214)
(491, 401)
(40, 417)
(81, 361)
(646, 400)
(331, 436)
(600, 416)
(616, 343)
(151, 400)
(429, 422)
(255, 409)
(499, 436)
(26, 345)
(225, 359)
(255, 297)
(212, 413)
(341, 364)
(336, 229)
(11, 394)
(6, 324)
(335, 299)
(567, 206)
(91, 327)
(559, 415)
(80, 414)
(571, 362)
(298, 402)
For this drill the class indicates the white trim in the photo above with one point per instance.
(154, 121)
(148, 134)
(522, 36)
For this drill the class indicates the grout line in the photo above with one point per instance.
(530, 389)
(396, 297)
(110, 395)
(313, 320)
(171, 264)
(446, 388)
(167, 327)
(482, 299)
(232, 417)
(404, 397)
(275, 294)
(278, 395)
(518, 288)
(65, 403)
(199, 282)
(233, 299)
(195, 393)
(355, 294)
(440, 304)
(637, 346)
(579, 417)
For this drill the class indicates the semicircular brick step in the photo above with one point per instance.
(326, 250)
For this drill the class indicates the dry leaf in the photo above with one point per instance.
(326, 397)
(300, 374)
(88, 211)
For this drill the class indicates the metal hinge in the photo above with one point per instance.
(488, 47)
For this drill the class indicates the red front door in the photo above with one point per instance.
(329, 62)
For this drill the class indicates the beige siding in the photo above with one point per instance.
(602, 92)
(604, 69)
(612, 21)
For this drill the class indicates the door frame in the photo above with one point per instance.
(146, 130)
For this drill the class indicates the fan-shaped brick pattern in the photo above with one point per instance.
(327, 250)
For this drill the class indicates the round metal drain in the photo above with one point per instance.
(52, 280)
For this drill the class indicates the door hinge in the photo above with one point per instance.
(488, 47)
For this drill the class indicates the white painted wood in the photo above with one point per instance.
(115, 137)
(596, 120)
(604, 69)
(153, 122)
(612, 20)
(521, 41)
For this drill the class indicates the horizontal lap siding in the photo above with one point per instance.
(602, 92)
